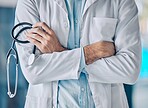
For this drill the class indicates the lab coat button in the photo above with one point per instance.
(76, 46)
(83, 89)
(65, 24)
(76, 21)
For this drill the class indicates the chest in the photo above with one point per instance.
(99, 20)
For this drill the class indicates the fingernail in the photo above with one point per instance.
(33, 25)
(27, 38)
(26, 33)
(29, 31)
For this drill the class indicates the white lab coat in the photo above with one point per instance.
(103, 20)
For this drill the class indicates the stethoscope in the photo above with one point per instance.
(15, 55)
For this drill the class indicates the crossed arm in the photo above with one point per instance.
(123, 67)
(46, 41)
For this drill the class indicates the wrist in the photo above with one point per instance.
(85, 49)
(62, 49)
(91, 53)
(88, 54)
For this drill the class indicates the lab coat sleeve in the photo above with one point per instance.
(46, 67)
(124, 67)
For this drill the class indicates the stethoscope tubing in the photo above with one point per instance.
(15, 55)
(20, 31)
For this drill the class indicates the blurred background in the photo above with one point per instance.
(137, 94)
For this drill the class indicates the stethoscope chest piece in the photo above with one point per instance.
(31, 59)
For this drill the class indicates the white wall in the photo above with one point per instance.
(8, 3)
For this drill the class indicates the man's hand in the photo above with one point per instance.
(44, 38)
(98, 50)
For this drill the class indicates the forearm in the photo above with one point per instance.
(50, 67)
(98, 50)
(89, 54)
(123, 67)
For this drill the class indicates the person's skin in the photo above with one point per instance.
(46, 41)
(98, 50)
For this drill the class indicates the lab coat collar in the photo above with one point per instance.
(87, 5)
(62, 4)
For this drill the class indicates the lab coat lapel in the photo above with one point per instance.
(87, 5)
(62, 5)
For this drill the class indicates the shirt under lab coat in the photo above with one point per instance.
(102, 20)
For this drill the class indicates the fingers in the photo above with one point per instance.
(44, 38)
(39, 32)
(42, 47)
(35, 42)
(36, 37)
(44, 26)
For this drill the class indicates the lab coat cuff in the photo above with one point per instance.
(77, 62)
(82, 60)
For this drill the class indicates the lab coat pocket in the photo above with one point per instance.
(38, 102)
(102, 29)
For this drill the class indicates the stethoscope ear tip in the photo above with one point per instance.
(10, 95)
